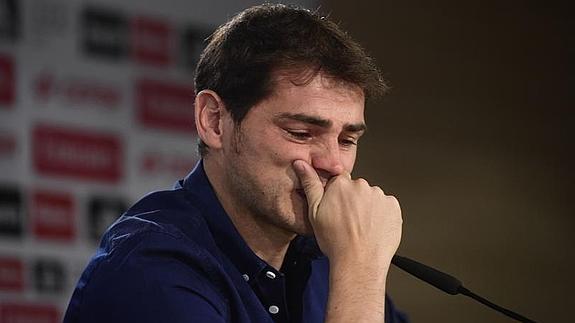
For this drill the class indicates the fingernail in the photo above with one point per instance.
(298, 165)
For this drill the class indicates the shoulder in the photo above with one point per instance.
(173, 215)
(157, 254)
(161, 232)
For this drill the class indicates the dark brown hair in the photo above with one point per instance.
(243, 54)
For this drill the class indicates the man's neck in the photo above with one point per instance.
(267, 241)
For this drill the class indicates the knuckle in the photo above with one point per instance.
(362, 181)
(336, 182)
(337, 179)
(392, 199)
(362, 184)
(378, 190)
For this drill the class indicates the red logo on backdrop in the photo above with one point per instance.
(151, 41)
(7, 83)
(53, 215)
(28, 313)
(72, 153)
(76, 90)
(11, 275)
(165, 105)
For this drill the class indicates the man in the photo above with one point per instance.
(269, 226)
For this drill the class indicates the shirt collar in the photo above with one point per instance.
(225, 233)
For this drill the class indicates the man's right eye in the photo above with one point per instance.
(299, 134)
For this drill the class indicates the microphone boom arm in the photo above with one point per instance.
(448, 284)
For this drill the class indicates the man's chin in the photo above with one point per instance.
(303, 227)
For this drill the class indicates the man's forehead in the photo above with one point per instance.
(293, 78)
(319, 101)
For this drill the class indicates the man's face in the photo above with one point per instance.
(319, 122)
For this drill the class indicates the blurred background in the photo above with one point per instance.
(474, 138)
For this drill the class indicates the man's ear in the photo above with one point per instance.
(209, 110)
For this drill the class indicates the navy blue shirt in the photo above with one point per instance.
(175, 256)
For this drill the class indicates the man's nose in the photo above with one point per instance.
(327, 161)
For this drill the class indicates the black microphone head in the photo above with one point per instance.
(443, 281)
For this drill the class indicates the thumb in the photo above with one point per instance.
(310, 183)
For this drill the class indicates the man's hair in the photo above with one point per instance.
(243, 54)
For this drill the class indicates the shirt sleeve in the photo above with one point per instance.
(147, 280)
(392, 315)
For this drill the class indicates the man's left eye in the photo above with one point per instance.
(348, 142)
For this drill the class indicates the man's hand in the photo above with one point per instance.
(349, 217)
(358, 228)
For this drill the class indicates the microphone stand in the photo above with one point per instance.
(449, 284)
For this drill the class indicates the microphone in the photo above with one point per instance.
(448, 284)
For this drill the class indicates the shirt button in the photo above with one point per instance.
(270, 275)
(246, 277)
(274, 309)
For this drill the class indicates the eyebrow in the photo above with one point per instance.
(320, 122)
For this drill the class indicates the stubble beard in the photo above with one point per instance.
(268, 203)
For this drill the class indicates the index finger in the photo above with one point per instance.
(310, 183)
